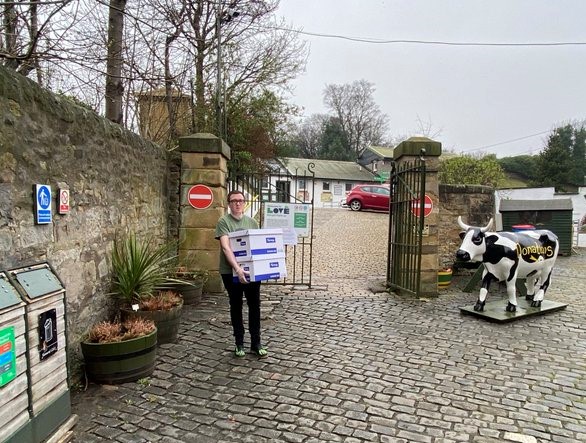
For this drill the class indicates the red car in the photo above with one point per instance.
(369, 197)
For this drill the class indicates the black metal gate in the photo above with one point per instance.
(296, 190)
(406, 226)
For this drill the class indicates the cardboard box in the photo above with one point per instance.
(260, 270)
(252, 244)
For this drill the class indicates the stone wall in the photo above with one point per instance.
(117, 182)
(476, 206)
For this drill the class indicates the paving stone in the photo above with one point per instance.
(349, 357)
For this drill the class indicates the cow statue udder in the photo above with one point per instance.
(510, 255)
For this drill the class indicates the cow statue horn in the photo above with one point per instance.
(487, 227)
(464, 226)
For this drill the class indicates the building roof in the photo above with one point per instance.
(385, 153)
(375, 154)
(536, 205)
(328, 169)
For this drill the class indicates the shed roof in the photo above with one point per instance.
(556, 204)
(329, 169)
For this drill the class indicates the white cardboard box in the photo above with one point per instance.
(252, 244)
(261, 269)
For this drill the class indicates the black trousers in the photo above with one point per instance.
(251, 291)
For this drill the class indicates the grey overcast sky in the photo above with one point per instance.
(479, 97)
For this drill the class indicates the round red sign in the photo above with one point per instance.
(427, 206)
(200, 197)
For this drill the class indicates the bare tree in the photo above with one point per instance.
(360, 118)
(30, 32)
(309, 135)
(152, 46)
(114, 84)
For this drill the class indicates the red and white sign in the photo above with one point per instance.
(63, 201)
(200, 197)
(427, 206)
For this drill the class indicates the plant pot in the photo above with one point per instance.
(444, 278)
(121, 362)
(191, 293)
(167, 322)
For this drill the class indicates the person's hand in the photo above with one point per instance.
(242, 275)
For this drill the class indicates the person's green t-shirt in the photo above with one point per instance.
(227, 224)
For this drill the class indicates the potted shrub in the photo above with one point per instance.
(188, 283)
(139, 272)
(164, 309)
(120, 352)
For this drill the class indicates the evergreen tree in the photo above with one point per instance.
(562, 163)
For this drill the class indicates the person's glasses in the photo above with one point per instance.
(237, 201)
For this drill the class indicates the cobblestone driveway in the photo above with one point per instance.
(351, 363)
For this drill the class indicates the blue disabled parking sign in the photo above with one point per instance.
(43, 204)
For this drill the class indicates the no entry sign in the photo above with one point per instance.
(427, 206)
(200, 197)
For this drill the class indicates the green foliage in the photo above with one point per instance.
(259, 124)
(468, 170)
(524, 166)
(334, 143)
(563, 162)
(139, 268)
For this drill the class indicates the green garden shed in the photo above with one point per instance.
(555, 215)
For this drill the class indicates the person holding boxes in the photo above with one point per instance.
(237, 285)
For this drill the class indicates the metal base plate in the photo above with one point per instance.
(495, 311)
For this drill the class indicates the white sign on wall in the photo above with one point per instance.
(293, 218)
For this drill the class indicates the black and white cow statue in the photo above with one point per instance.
(510, 255)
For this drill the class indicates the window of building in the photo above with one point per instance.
(326, 186)
(349, 187)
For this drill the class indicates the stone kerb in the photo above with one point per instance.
(408, 151)
(204, 160)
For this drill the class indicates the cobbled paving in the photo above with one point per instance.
(350, 362)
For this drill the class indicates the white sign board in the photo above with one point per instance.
(293, 218)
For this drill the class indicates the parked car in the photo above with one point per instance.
(368, 197)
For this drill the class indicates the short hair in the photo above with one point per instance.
(235, 191)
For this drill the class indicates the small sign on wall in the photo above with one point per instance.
(43, 213)
(63, 201)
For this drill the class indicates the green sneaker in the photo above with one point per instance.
(261, 351)
(239, 351)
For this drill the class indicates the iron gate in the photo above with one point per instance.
(405, 226)
(278, 185)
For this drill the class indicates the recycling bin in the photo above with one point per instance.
(15, 422)
(43, 295)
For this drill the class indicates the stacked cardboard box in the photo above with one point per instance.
(260, 252)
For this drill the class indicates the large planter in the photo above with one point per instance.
(122, 362)
(167, 322)
(191, 292)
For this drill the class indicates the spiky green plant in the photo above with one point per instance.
(139, 267)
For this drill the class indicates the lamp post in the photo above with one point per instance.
(220, 111)
(219, 71)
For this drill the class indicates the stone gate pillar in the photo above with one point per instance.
(204, 160)
(408, 151)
